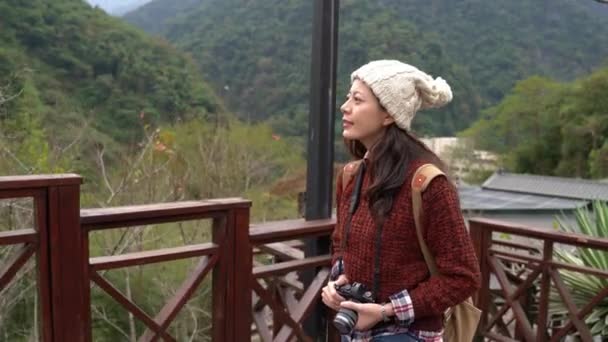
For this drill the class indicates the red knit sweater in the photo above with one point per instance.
(402, 262)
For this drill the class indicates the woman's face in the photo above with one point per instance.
(363, 118)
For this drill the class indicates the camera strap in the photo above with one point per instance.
(354, 204)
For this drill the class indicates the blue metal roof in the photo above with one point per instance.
(477, 198)
(574, 188)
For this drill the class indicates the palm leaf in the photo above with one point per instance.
(583, 287)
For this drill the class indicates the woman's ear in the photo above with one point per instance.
(388, 119)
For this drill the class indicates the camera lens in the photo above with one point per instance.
(345, 321)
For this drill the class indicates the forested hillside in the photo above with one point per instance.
(155, 16)
(257, 56)
(65, 66)
(256, 53)
(84, 92)
(502, 42)
(550, 128)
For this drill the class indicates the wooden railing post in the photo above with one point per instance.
(545, 287)
(241, 276)
(69, 256)
(232, 277)
(219, 298)
(482, 239)
(44, 268)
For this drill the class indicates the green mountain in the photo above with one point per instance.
(256, 53)
(502, 42)
(159, 14)
(551, 128)
(68, 66)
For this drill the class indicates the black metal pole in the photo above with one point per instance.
(319, 177)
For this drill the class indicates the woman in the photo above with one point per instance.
(376, 245)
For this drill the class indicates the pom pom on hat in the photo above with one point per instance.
(403, 89)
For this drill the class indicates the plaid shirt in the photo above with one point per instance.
(404, 316)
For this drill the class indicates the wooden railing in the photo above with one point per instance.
(230, 223)
(60, 241)
(279, 286)
(278, 296)
(54, 241)
(517, 266)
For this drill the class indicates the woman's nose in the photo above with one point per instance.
(343, 108)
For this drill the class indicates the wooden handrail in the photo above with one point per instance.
(38, 181)
(542, 234)
(557, 264)
(13, 237)
(149, 257)
(289, 229)
(289, 266)
(128, 216)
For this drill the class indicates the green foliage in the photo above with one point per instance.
(24, 145)
(191, 160)
(79, 59)
(155, 15)
(477, 176)
(521, 125)
(481, 48)
(83, 92)
(369, 31)
(501, 42)
(584, 287)
(237, 159)
(264, 49)
(197, 160)
(183, 161)
(598, 161)
(545, 127)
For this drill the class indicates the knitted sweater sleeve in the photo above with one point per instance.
(449, 242)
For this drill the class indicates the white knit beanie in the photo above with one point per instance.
(403, 89)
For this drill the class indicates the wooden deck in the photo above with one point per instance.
(278, 297)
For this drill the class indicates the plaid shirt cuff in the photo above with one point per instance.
(404, 309)
(336, 269)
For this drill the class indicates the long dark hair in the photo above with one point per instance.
(389, 160)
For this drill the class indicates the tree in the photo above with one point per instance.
(545, 127)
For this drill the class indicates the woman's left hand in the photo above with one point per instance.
(369, 314)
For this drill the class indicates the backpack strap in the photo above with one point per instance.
(422, 178)
(349, 171)
(462, 319)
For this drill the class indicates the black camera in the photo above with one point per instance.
(346, 319)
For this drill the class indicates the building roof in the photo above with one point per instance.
(572, 188)
(477, 198)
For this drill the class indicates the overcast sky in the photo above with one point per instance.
(118, 7)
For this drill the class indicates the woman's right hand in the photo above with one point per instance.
(329, 295)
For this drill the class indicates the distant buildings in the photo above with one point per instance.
(530, 199)
(466, 165)
(519, 198)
